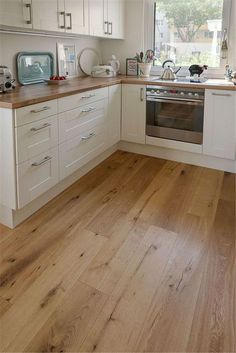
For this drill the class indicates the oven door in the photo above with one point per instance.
(175, 119)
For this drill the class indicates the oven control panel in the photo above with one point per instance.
(175, 92)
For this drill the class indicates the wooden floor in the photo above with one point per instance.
(137, 256)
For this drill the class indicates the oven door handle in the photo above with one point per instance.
(179, 101)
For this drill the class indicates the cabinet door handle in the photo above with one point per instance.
(62, 13)
(89, 96)
(29, 7)
(85, 138)
(70, 17)
(110, 28)
(141, 94)
(40, 110)
(88, 110)
(222, 95)
(44, 126)
(106, 30)
(45, 160)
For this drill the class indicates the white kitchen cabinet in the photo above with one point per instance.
(48, 15)
(219, 134)
(36, 176)
(16, 13)
(133, 113)
(115, 18)
(107, 18)
(70, 16)
(114, 115)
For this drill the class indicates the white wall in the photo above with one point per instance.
(11, 44)
(232, 36)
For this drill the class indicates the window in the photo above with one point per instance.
(191, 31)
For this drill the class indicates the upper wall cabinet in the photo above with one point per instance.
(69, 16)
(107, 18)
(16, 13)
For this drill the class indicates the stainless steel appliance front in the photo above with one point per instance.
(175, 113)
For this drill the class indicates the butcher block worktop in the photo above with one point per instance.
(27, 95)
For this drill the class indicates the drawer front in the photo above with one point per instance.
(35, 138)
(75, 153)
(35, 112)
(77, 100)
(76, 121)
(36, 176)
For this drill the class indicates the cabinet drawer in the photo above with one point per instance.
(36, 176)
(35, 112)
(77, 100)
(81, 149)
(35, 138)
(76, 121)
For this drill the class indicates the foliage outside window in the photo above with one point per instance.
(188, 31)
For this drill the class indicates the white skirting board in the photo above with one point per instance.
(11, 218)
(198, 159)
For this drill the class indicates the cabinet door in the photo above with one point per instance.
(48, 15)
(77, 16)
(16, 13)
(114, 115)
(133, 113)
(98, 18)
(219, 124)
(116, 18)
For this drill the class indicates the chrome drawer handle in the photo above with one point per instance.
(40, 110)
(70, 17)
(62, 13)
(85, 138)
(37, 164)
(29, 7)
(88, 110)
(221, 95)
(44, 126)
(89, 96)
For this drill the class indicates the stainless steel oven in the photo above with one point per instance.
(175, 113)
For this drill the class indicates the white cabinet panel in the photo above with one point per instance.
(133, 113)
(98, 18)
(36, 176)
(115, 18)
(80, 150)
(73, 122)
(35, 112)
(16, 13)
(77, 16)
(48, 15)
(77, 100)
(35, 138)
(114, 115)
(219, 134)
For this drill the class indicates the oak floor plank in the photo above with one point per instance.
(137, 256)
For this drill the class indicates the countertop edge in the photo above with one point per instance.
(96, 85)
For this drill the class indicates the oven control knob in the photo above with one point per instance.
(165, 92)
(182, 93)
(190, 94)
(152, 91)
(196, 95)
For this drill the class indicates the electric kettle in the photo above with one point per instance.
(169, 74)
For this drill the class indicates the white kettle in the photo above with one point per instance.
(115, 64)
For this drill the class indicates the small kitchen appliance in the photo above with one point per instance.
(6, 80)
(103, 71)
(169, 73)
(175, 113)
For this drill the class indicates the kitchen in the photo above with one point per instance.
(117, 181)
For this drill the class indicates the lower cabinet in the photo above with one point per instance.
(114, 115)
(133, 113)
(219, 138)
(36, 176)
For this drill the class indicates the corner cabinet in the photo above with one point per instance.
(219, 137)
(133, 113)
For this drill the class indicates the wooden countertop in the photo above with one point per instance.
(27, 95)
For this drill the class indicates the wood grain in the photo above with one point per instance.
(137, 256)
(27, 95)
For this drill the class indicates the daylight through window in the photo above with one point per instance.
(188, 31)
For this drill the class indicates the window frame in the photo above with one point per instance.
(149, 36)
